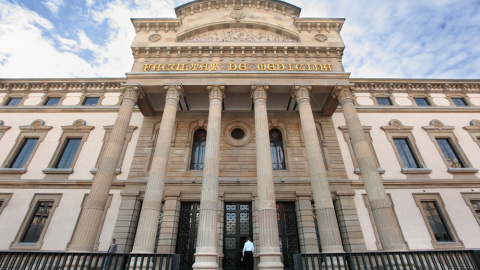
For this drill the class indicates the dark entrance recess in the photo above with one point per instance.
(238, 226)
(187, 234)
(288, 232)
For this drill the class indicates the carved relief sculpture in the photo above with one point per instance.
(239, 34)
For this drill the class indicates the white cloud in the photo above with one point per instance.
(53, 5)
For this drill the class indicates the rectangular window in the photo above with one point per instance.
(436, 221)
(24, 153)
(422, 101)
(476, 208)
(52, 101)
(37, 222)
(90, 101)
(384, 101)
(451, 156)
(68, 153)
(459, 102)
(14, 101)
(406, 154)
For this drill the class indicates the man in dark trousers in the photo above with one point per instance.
(111, 250)
(247, 252)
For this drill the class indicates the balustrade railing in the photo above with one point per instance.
(408, 260)
(40, 260)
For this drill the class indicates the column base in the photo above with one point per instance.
(270, 260)
(205, 260)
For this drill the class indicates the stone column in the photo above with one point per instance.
(266, 204)
(152, 202)
(327, 220)
(206, 253)
(382, 210)
(90, 218)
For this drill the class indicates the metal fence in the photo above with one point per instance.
(18, 260)
(409, 260)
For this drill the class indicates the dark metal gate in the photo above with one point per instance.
(288, 232)
(238, 226)
(187, 234)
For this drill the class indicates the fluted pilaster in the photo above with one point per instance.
(90, 218)
(148, 222)
(206, 253)
(382, 211)
(267, 212)
(327, 221)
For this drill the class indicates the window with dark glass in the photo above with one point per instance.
(476, 207)
(52, 101)
(198, 149)
(459, 102)
(453, 160)
(14, 101)
(436, 221)
(90, 101)
(405, 151)
(276, 149)
(68, 153)
(422, 101)
(384, 101)
(24, 153)
(37, 222)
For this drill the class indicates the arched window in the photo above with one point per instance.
(198, 149)
(276, 148)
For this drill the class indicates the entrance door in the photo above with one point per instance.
(238, 226)
(187, 234)
(288, 232)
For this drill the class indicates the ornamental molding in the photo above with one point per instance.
(156, 25)
(155, 38)
(28, 86)
(239, 35)
(320, 38)
(446, 87)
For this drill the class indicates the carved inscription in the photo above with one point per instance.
(287, 67)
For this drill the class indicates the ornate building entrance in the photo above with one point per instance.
(187, 234)
(238, 226)
(288, 232)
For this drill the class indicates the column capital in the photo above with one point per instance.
(259, 91)
(174, 91)
(301, 91)
(216, 91)
(342, 92)
(132, 92)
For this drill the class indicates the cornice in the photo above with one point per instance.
(318, 24)
(156, 25)
(204, 6)
(64, 85)
(423, 184)
(415, 85)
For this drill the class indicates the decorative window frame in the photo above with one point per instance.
(84, 96)
(396, 130)
(7, 98)
(227, 133)
(106, 137)
(423, 197)
(4, 198)
(16, 244)
(36, 129)
(102, 221)
(78, 129)
(473, 130)
(3, 129)
(464, 97)
(438, 130)
(368, 137)
(374, 225)
(383, 95)
(193, 127)
(282, 127)
(468, 197)
(427, 97)
(46, 97)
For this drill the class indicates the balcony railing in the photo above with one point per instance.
(409, 260)
(19, 260)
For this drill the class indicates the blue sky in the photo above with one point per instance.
(384, 39)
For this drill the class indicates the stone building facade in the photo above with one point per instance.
(238, 120)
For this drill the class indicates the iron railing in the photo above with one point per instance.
(40, 260)
(409, 260)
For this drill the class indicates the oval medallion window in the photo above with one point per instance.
(237, 133)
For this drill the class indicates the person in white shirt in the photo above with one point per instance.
(247, 253)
